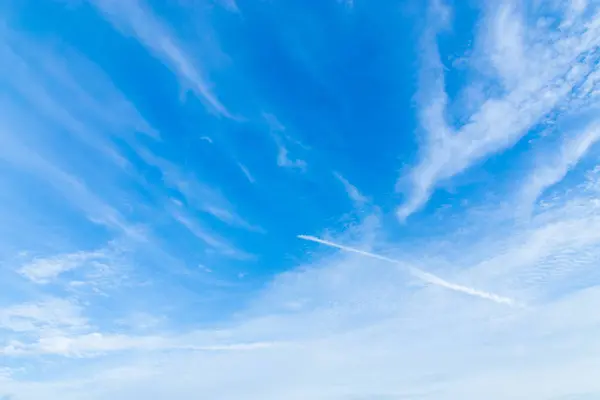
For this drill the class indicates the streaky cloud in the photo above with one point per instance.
(355, 195)
(137, 19)
(283, 141)
(553, 168)
(246, 173)
(535, 76)
(45, 270)
(425, 276)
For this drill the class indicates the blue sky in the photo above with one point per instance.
(439, 159)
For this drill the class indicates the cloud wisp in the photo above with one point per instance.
(45, 270)
(554, 168)
(524, 79)
(246, 173)
(283, 141)
(355, 195)
(137, 19)
(424, 276)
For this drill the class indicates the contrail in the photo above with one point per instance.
(424, 276)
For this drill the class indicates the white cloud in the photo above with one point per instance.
(352, 191)
(78, 98)
(96, 344)
(44, 270)
(50, 315)
(210, 238)
(247, 173)
(87, 345)
(361, 328)
(74, 190)
(283, 159)
(424, 276)
(282, 141)
(555, 167)
(68, 95)
(70, 91)
(364, 332)
(537, 76)
(135, 18)
(341, 326)
(197, 194)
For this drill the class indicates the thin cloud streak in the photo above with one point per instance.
(133, 17)
(425, 276)
(246, 173)
(353, 192)
(553, 171)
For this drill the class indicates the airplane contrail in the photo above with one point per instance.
(424, 276)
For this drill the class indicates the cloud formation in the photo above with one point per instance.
(136, 19)
(524, 77)
(352, 191)
(140, 260)
(425, 276)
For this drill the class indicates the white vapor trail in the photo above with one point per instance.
(424, 276)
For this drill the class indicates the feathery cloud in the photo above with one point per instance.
(282, 141)
(553, 170)
(135, 18)
(246, 173)
(352, 190)
(198, 195)
(51, 315)
(211, 239)
(532, 75)
(44, 270)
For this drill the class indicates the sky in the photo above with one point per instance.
(299, 199)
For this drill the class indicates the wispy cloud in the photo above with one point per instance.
(282, 141)
(50, 315)
(230, 5)
(45, 270)
(283, 159)
(429, 310)
(197, 194)
(70, 187)
(83, 345)
(70, 91)
(137, 19)
(352, 191)
(211, 239)
(425, 276)
(357, 310)
(532, 75)
(246, 173)
(63, 100)
(553, 168)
